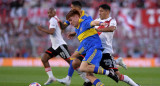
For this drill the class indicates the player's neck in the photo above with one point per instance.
(51, 17)
(106, 17)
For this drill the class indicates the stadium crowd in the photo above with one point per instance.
(19, 36)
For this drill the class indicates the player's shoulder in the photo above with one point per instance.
(89, 18)
(54, 19)
(112, 19)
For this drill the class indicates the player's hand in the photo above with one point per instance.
(40, 27)
(71, 35)
(97, 29)
(103, 24)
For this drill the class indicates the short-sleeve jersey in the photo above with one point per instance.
(87, 35)
(56, 37)
(107, 37)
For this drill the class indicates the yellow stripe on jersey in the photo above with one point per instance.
(80, 20)
(92, 56)
(86, 34)
(83, 13)
(81, 50)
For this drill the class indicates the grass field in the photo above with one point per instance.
(23, 76)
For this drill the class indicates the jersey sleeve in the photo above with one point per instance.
(113, 23)
(88, 23)
(66, 22)
(52, 23)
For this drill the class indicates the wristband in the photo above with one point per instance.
(100, 23)
(67, 22)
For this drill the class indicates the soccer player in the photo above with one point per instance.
(106, 35)
(77, 5)
(90, 43)
(74, 5)
(59, 46)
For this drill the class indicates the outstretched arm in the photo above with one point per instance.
(62, 25)
(97, 23)
(48, 31)
(107, 29)
(71, 35)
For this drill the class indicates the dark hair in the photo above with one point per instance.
(52, 9)
(77, 3)
(72, 13)
(105, 7)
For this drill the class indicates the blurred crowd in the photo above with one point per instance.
(19, 36)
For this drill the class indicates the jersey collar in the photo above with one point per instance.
(79, 22)
(83, 13)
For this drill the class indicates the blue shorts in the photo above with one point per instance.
(81, 50)
(93, 56)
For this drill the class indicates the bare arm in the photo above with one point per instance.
(71, 35)
(62, 25)
(107, 29)
(97, 23)
(48, 31)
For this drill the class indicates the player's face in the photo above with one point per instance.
(74, 7)
(103, 13)
(51, 13)
(74, 20)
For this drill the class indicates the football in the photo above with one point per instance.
(34, 84)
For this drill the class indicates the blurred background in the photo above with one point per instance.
(136, 39)
(137, 34)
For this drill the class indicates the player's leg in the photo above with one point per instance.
(76, 64)
(126, 79)
(94, 80)
(120, 62)
(93, 56)
(77, 60)
(107, 62)
(77, 57)
(48, 55)
(65, 54)
(66, 80)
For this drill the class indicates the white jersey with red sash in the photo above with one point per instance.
(106, 37)
(56, 37)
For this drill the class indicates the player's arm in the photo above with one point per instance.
(111, 28)
(71, 35)
(97, 23)
(64, 25)
(107, 29)
(48, 31)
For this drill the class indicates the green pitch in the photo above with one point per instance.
(23, 76)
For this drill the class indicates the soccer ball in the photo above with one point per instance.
(34, 84)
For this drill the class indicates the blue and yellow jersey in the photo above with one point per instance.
(83, 16)
(87, 35)
(84, 29)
